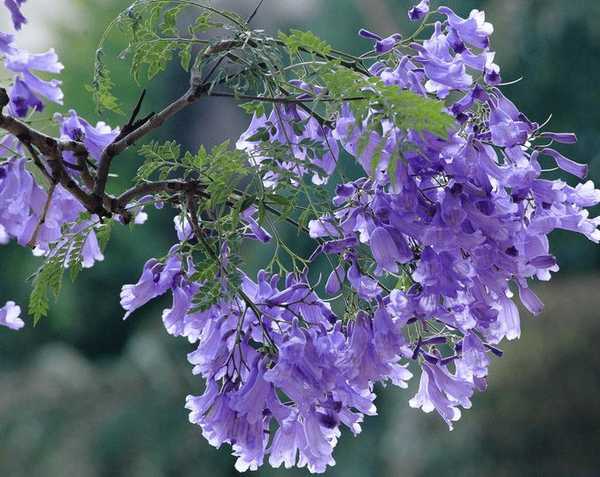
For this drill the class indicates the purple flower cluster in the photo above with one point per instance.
(23, 204)
(462, 220)
(271, 343)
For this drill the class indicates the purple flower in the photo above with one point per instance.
(322, 227)
(292, 127)
(443, 70)
(530, 300)
(286, 441)
(22, 99)
(384, 250)
(18, 191)
(443, 392)
(335, 280)
(492, 74)
(468, 100)
(90, 252)
(174, 318)
(419, 11)
(23, 62)
(183, 228)
(63, 209)
(257, 232)
(366, 361)
(10, 316)
(382, 45)
(474, 361)
(7, 43)
(95, 139)
(584, 195)
(562, 138)
(251, 399)
(14, 7)
(508, 126)
(567, 165)
(156, 279)
(473, 30)
(366, 287)
(507, 324)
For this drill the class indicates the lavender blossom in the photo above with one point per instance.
(95, 138)
(22, 99)
(14, 7)
(419, 11)
(382, 45)
(474, 30)
(10, 316)
(23, 63)
(156, 279)
(7, 43)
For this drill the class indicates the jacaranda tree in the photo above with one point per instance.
(425, 249)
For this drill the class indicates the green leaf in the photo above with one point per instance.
(204, 23)
(161, 159)
(413, 111)
(254, 107)
(103, 234)
(169, 23)
(304, 41)
(48, 279)
(102, 86)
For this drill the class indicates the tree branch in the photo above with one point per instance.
(88, 180)
(52, 150)
(194, 93)
(168, 186)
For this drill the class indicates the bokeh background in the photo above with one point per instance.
(86, 394)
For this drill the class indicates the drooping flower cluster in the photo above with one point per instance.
(23, 205)
(272, 343)
(464, 219)
(426, 250)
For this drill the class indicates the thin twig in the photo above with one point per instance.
(148, 188)
(32, 242)
(88, 180)
(284, 99)
(253, 14)
(38, 163)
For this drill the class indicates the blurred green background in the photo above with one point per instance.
(86, 394)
